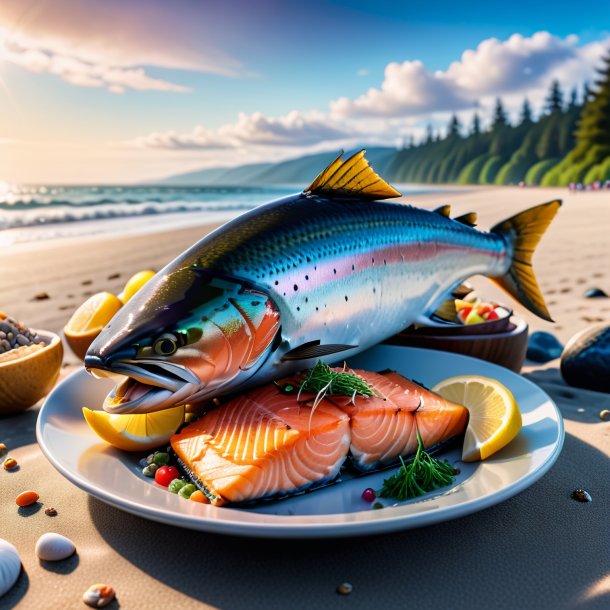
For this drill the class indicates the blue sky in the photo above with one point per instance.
(119, 91)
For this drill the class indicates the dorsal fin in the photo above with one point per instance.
(469, 219)
(352, 177)
(443, 210)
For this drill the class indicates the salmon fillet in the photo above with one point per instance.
(384, 426)
(263, 444)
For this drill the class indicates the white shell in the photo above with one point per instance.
(54, 547)
(10, 566)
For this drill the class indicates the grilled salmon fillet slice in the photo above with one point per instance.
(263, 444)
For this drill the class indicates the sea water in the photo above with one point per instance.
(39, 213)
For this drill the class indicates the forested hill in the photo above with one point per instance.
(568, 142)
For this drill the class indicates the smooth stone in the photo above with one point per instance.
(543, 347)
(585, 362)
(54, 547)
(10, 566)
(595, 293)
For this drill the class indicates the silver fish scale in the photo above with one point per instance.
(348, 272)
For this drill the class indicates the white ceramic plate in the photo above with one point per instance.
(114, 477)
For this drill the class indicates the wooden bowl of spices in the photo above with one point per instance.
(30, 363)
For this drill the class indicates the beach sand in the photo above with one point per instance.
(574, 255)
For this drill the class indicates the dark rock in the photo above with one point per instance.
(585, 362)
(595, 293)
(41, 296)
(543, 346)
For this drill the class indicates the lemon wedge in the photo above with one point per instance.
(134, 283)
(138, 432)
(495, 419)
(89, 319)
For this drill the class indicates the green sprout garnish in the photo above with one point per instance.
(322, 380)
(421, 475)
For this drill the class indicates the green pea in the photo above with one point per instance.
(150, 470)
(186, 491)
(160, 458)
(176, 485)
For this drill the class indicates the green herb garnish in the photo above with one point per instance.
(322, 380)
(421, 475)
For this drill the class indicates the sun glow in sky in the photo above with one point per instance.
(120, 92)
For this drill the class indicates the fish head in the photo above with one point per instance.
(186, 336)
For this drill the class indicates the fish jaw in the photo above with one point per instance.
(145, 387)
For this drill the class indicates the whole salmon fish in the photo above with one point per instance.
(323, 274)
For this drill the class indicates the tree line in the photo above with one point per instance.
(568, 143)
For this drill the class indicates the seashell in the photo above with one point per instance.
(54, 547)
(10, 566)
(585, 362)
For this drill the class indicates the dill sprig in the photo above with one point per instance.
(421, 475)
(324, 381)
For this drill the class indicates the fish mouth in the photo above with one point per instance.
(146, 386)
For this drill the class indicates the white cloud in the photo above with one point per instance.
(75, 71)
(516, 66)
(410, 97)
(294, 129)
(363, 72)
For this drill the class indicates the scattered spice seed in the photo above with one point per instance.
(345, 588)
(26, 498)
(10, 463)
(377, 505)
(604, 415)
(98, 596)
(581, 495)
(51, 512)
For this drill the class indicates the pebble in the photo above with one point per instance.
(604, 415)
(51, 512)
(3, 450)
(10, 463)
(14, 334)
(26, 498)
(54, 547)
(543, 347)
(41, 296)
(345, 588)
(585, 362)
(595, 293)
(581, 495)
(98, 596)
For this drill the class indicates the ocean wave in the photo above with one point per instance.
(60, 213)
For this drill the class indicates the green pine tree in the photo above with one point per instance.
(554, 99)
(500, 118)
(475, 128)
(526, 113)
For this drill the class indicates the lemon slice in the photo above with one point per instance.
(494, 419)
(134, 283)
(88, 320)
(138, 432)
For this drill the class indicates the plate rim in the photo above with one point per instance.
(281, 527)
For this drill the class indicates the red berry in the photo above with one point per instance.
(483, 308)
(463, 314)
(369, 495)
(165, 475)
(492, 315)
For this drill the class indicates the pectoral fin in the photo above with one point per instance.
(313, 349)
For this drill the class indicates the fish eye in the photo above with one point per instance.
(165, 345)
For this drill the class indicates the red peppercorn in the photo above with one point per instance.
(165, 475)
(369, 495)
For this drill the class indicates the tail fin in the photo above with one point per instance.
(523, 231)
